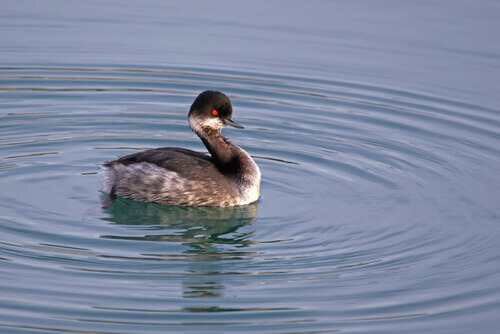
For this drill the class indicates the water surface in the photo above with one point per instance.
(379, 149)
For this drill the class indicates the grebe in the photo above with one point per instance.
(178, 176)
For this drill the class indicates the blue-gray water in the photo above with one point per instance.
(376, 125)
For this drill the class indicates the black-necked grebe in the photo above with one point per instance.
(177, 176)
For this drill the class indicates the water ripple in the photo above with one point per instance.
(363, 219)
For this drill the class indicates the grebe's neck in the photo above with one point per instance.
(230, 159)
(233, 162)
(226, 156)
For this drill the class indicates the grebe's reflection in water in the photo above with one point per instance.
(212, 239)
(190, 225)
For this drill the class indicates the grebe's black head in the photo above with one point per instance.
(212, 110)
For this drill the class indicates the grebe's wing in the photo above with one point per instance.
(190, 164)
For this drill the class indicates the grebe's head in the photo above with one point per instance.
(212, 110)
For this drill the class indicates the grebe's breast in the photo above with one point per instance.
(249, 179)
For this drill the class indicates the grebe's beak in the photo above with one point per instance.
(230, 122)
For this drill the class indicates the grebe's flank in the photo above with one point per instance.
(177, 176)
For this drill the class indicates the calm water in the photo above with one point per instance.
(376, 126)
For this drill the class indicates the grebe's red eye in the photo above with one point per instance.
(215, 112)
